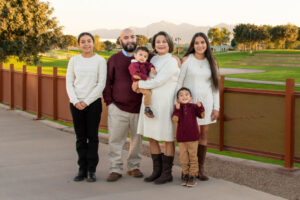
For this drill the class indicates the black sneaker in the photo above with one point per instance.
(91, 177)
(148, 112)
(80, 176)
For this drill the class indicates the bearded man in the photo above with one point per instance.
(123, 109)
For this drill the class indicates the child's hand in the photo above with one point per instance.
(199, 104)
(153, 71)
(177, 105)
(175, 118)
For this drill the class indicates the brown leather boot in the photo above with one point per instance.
(201, 158)
(166, 175)
(157, 167)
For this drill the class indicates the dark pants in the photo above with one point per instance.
(86, 123)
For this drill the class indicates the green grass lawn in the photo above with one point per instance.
(272, 73)
(225, 58)
(48, 63)
(279, 51)
(279, 74)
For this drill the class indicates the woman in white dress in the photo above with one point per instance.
(199, 73)
(160, 128)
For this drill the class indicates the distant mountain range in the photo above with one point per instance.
(184, 31)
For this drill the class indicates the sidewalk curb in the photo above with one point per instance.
(260, 176)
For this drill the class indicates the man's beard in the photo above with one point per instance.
(129, 47)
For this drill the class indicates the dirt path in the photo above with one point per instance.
(270, 61)
(224, 71)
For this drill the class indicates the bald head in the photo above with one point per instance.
(127, 31)
(128, 40)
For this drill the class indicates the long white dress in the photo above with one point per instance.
(196, 75)
(162, 101)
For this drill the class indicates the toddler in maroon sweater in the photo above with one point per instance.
(139, 70)
(187, 134)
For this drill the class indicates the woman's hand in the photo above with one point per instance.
(178, 61)
(153, 71)
(214, 115)
(83, 104)
(135, 86)
(79, 106)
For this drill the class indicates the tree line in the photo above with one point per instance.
(68, 41)
(249, 36)
(245, 36)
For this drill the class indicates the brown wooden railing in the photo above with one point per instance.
(257, 122)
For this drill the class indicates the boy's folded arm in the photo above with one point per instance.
(200, 111)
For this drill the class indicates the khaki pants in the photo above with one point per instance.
(147, 96)
(188, 157)
(119, 122)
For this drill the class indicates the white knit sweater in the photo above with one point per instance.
(86, 78)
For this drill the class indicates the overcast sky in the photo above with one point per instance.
(85, 15)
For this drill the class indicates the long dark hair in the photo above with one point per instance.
(208, 54)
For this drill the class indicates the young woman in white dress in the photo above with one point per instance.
(199, 73)
(160, 128)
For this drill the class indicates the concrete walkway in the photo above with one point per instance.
(38, 163)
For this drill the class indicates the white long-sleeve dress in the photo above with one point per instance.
(196, 75)
(162, 101)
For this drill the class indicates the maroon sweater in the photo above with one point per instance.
(118, 84)
(140, 69)
(187, 129)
